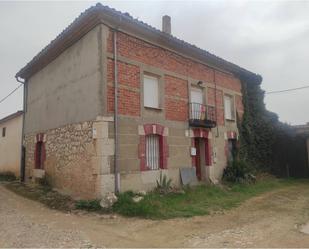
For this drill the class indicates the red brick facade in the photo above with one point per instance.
(176, 97)
(129, 88)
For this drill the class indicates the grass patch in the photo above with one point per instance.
(200, 200)
(43, 194)
(89, 205)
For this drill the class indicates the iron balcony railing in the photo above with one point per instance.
(202, 115)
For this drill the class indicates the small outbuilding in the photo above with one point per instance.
(10, 143)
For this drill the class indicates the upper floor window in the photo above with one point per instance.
(196, 95)
(197, 107)
(151, 91)
(229, 107)
(3, 131)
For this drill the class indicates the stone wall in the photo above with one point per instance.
(77, 158)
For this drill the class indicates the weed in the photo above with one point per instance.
(7, 176)
(89, 205)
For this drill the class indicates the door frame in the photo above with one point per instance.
(198, 166)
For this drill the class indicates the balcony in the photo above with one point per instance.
(202, 115)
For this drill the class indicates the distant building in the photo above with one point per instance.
(10, 143)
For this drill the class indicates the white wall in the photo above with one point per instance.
(10, 145)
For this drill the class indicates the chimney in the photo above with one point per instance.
(166, 24)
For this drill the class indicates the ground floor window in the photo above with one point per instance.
(153, 151)
(39, 155)
(232, 150)
(153, 147)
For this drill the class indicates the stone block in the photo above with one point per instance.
(100, 130)
(105, 118)
(105, 147)
(151, 176)
(38, 173)
(107, 184)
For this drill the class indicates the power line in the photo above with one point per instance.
(287, 90)
(10, 93)
(271, 92)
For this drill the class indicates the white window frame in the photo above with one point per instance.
(229, 112)
(155, 102)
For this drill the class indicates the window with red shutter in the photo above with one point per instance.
(153, 148)
(39, 155)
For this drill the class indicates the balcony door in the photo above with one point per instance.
(196, 103)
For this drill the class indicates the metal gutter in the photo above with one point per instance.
(22, 159)
(116, 166)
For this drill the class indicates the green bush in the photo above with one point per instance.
(7, 176)
(89, 205)
(238, 171)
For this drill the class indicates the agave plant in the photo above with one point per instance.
(164, 184)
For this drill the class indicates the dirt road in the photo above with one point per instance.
(270, 220)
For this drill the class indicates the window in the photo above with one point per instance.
(232, 150)
(39, 155)
(3, 131)
(229, 107)
(153, 151)
(197, 107)
(151, 91)
(153, 147)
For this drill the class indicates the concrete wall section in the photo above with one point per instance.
(10, 145)
(69, 89)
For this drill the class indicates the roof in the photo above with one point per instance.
(123, 22)
(11, 116)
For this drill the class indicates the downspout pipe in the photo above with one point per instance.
(216, 112)
(21, 167)
(116, 165)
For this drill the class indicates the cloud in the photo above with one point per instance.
(266, 37)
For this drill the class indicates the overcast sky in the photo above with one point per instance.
(270, 38)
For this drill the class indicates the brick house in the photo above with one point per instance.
(177, 107)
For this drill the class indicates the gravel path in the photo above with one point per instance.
(270, 220)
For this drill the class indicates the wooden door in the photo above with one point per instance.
(198, 159)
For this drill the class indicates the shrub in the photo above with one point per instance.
(164, 184)
(7, 176)
(89, 205)
(238, 171)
